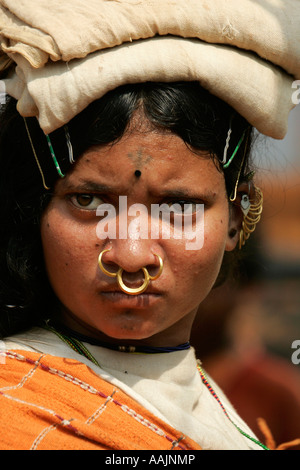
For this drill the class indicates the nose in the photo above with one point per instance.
(134, 264)
(132, 256)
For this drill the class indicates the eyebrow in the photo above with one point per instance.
(176, 192)
(86, 185)
(201, 193)
(92, 186)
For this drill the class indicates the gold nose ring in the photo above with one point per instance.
(122, 285)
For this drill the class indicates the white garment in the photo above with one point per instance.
(70, 53)
(168, 385)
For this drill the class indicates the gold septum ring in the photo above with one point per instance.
(122, 285)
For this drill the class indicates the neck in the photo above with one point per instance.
(177, 334)
(68, 333)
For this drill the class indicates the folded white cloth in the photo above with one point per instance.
(70, 53)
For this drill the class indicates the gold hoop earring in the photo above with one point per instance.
(122, 285)
(252, 211)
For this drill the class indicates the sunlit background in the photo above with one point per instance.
(245, 330)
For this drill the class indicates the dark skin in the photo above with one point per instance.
(91, 302)
(140, 159)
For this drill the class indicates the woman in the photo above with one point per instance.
(98, 291)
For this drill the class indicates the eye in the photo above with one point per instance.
(86, 201)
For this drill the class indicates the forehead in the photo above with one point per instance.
(162, 158)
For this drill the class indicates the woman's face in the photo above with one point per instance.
(170, 173)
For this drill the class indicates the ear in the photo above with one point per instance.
(236, 215)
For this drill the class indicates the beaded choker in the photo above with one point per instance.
(74, 339)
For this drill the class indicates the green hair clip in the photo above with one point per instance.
(226, 165)
(54, 157)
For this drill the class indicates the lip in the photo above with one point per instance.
(127, 300)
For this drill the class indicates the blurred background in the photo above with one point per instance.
(244, 331)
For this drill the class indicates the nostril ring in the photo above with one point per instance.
(118, 275)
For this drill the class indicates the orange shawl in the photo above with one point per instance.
(55, 403)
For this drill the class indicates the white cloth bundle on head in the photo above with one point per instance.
(64, 55)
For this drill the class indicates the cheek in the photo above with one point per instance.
(200, 268)
(215, 237)
(70, 252)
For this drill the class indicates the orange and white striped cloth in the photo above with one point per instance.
(54, 403)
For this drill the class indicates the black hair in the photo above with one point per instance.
(186, 109)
